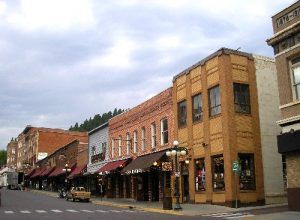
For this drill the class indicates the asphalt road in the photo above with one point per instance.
(27, 205)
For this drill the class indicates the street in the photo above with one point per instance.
(21, 204)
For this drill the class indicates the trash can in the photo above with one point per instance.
(167, 200)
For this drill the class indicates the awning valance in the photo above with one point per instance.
(77, 171)
(143, 163)
(37, 173)
(30, 173)
(59, 171)
(111, 166)
(47, 171)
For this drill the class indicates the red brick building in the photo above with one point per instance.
(36, 143)
(137, 140)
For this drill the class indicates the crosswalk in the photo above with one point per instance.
(41, 211)
(236, 215)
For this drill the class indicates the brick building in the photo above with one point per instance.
(286, 44)
(36, 143)
(216, 110)
(12, 152)
(49, 173)
(138, 138)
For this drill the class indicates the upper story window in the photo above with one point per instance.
(241, 98)
(143, 138)
(120, 146)
(182, 114)
(112, 148)
(134, 141)
(127, 144)
(153, 135)
(164, 131)
(197, 108)
(214, 101)
(295, 77)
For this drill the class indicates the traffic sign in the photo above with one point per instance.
(235, 166)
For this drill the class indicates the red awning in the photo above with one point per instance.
(59, 171)
(30, 173)
(111, 166)
(47, 171)
(38, 172)
(77, 171)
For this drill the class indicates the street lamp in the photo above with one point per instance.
(66, 169)
(176, 151)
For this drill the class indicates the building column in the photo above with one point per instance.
(161, 186)
(117, 187)
(149, 187)
(124, 187)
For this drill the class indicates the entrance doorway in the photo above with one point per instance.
(185, 182)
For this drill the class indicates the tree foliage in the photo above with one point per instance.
(3, 155)
(97, 120)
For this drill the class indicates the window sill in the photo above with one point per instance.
(247, 190)
(197, 122)
(215, 116)
(200, 192)
(219, 192)
(243, 114)
(182, 127)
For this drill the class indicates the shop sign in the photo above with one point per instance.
(42, 155)
(235, 166)
(134, 171)
(166, 166)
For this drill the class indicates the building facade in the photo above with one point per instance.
(12, 152)
(217, 119)
(36, 143)
(286, 45)
(138, 139)
(98, 156)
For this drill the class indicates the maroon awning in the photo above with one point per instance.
(47, 171)
(59, 171)
(77, 171)
(111, 166)
(30, 173)
(38, 172)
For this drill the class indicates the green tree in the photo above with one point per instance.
(3, 156)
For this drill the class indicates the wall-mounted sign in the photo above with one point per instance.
(166, 166)
(42, 155)
(134, 171)
(98, 157)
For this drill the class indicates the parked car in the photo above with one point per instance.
(78, 193)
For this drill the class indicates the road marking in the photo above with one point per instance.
(8, 212)
(25, 211)
(84, 210)
(116, 211)
(71, 210)
(56, 210)
(40, 211)
(128, 211)
(102, 211)
(236, 215)
(241, 216)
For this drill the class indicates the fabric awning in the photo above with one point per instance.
(38, 172)
(77, 171)
(111, 166)
(143, 163)
(59, 171)
(30, 173)
(47, 171)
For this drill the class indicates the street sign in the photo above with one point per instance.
(235, 166)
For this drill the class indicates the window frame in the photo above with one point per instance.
(153, 135)
(237, 93)
(247, 176)
(127, 143)
(216, 105)
(200, 173)
(164, 140)
(112, 148)
(120, 146)
(182, 115)
(220, 177)
(295, 85)
(196, 111)
(135, 143)
(143, 138)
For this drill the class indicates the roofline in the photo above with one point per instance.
(296, 1)
(98, 128)
(219, 52)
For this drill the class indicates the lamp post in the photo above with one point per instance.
(176, 151)
(66, 169)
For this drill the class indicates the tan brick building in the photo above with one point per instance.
(12, 152)
(36, 143)
(217, 118)
(137, 140)
(286, 44)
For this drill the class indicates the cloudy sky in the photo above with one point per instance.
(62, 61)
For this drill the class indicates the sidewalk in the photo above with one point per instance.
(187, 209)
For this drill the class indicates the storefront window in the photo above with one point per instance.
(218, 173)
(200, 174)
(247, 172)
